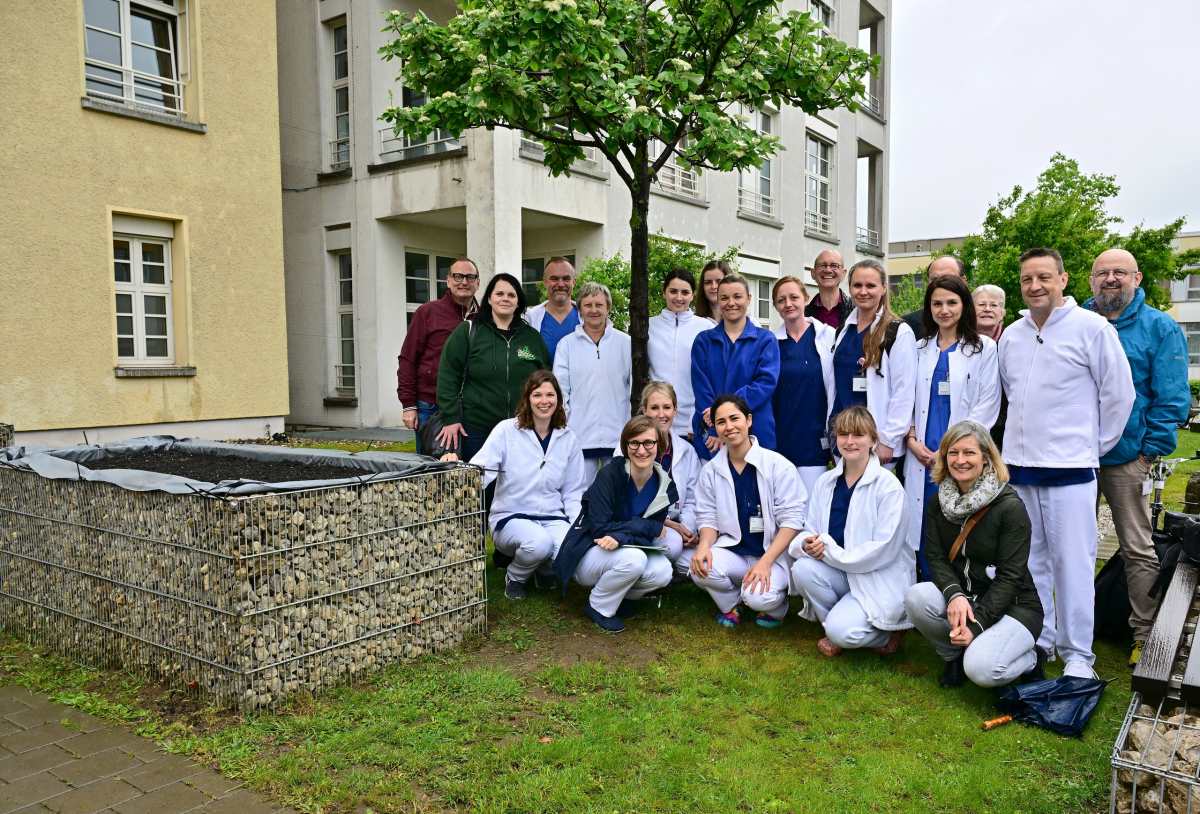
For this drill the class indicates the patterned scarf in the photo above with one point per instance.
(959, 507)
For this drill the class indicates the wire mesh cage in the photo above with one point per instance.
(244, 600)
(6, 435)
(1156, 760)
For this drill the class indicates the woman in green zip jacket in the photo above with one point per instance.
(503, 354)
(981, 611)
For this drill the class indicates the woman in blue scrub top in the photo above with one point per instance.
(958, 378)
(803, 394)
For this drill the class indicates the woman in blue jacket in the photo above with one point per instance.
(614, 547)
(735, 358)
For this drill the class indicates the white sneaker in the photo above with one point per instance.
(1079, 669)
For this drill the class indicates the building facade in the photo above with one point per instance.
(372, 221)
(142, 229)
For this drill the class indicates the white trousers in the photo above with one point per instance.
(724, 584)
(808, 476)
(680, 557)
(1062, 561)
(1002, 653)
(533, 545)
(626, 573)
(591, 468)
(828, 591)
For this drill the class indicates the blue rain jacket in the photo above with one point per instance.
(748, 368)
(1158, 357)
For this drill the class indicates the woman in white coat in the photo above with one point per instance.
(958, 379)
(804, 392)
(852, 561)
(670, 345)
(749, 506)
(594, 366)
(537, 464)
(875, 361)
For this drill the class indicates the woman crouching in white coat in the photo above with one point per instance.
(539, 484)
(852, 561)
(749, 506)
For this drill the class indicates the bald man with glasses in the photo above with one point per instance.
(1158, 358)
(831, 305)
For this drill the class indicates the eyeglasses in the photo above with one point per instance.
(458, 278)
(1117, 274)
(642, 444)
(829, 266)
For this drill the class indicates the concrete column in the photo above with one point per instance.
(493, 214)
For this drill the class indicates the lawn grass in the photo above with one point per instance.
(547, 714)
(1189, 443)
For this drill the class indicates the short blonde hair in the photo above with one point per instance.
(969, 429)
(994, 290)
(663, 389)
(856, 420)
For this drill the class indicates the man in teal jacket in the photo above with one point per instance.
(1158, 357)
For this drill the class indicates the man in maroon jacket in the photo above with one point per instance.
(431, 326)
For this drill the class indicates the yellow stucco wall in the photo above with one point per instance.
(906, 264)
(64, 170)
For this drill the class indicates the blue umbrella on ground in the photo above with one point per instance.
(1062, 704)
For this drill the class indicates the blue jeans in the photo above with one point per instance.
(425, 410)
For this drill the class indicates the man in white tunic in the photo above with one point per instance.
(1070, 392)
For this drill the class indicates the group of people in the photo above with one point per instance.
(850, 460)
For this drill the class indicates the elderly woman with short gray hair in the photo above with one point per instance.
(981, 610)
(989, 310)
(593, 365)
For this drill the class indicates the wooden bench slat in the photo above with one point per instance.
(1153, 672)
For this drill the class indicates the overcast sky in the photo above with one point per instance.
(983, 93)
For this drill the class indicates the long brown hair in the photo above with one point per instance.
(558, 420)
(967, 329)
(702, 307)
(872, 353)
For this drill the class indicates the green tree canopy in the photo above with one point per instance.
(1067, 211)
(641, 81)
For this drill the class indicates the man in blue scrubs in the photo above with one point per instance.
(557, 316)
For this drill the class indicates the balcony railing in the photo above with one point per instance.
(393, 147)
(680, 181)
(871, 102)
(134, 88)
(755, 203)
(866, 238)
(339, 153)
(529, 145)
(818, 222)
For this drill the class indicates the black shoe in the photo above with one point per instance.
(1038, 671)
(626, 610)
(514, 589)
(544, 582)
(609, 624)
(953, 675)
(500, 559)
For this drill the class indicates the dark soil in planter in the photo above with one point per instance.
(216, 468)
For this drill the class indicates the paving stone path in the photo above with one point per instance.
(58, 759)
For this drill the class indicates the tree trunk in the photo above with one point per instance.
(639, 277)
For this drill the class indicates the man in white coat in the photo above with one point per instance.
(1070, 392)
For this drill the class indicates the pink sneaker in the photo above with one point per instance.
(730, 619)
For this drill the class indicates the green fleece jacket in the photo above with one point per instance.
(999, 539)
(497, 372)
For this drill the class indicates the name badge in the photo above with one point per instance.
(1147, 488)
(860, 384)
(824, 442)
(943, 388)
(756, 524)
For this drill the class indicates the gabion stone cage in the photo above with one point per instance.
(6, 435)
(1156, 761)
(244, 600)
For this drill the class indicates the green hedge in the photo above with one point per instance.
(1194, 384)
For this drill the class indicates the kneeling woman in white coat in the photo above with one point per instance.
(852, 561)
(749, 506)
(614, 545)
(539, 482)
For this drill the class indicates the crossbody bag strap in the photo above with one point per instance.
(966, 529)
(462, 386)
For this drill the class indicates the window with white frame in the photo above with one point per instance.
(339, 146)
(142, 276)
(818, 180)
(420, 285)
(672, 177)
(1193, 287)
(822, 14)
(1192, 331)
(763, 305)
(533, 271)
(393, 147)
(755, 191)
(132, 53)
(344, 369)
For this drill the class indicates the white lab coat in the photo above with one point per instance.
(974, 395)
(670, 352)
(530, 481)
(1070, 389)
(876, 558)
(685, 470)
(890, 389)
(825, 342)
(779, 488)
(537, 313)
(595, 378)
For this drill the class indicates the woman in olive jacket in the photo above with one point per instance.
(981, 611)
